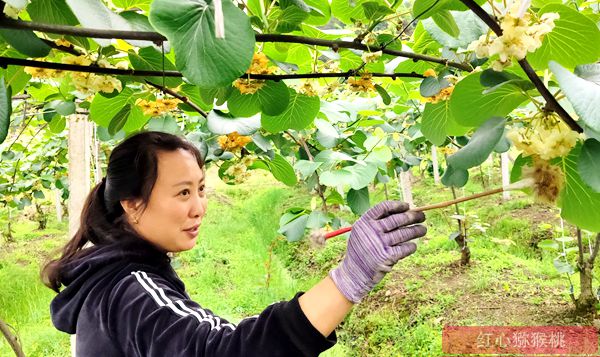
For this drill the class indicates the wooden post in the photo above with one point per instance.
(505, 175)
(434, 163)
(79, 153)
(96, 154)
(406, 187)
(58, 205)
(79, 168)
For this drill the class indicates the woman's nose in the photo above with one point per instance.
(198, 208)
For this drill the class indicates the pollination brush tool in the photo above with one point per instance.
(319, 237)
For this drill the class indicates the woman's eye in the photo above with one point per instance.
(184, 192)
(202, 188)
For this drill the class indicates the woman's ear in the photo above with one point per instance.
(133, 208)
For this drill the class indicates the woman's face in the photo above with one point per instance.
(177, 203)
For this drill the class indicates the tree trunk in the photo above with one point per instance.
(8, 234)
(434, 163)
(79, 168)
(465, 252)
(42, 218)
(461, 239)
(406, 187)
(505, 175)
(586, 302)
(13, 341)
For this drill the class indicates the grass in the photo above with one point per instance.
(240, 265)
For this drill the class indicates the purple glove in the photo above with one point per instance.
(379, 238)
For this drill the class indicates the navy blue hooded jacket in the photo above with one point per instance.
(126, 300)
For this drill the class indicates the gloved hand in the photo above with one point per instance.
(379, 238)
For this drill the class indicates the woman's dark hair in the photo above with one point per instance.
(131, 174)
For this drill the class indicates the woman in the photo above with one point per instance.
(122, 298)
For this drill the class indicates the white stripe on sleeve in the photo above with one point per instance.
(158, 294)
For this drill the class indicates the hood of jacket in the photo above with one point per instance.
(95, 270)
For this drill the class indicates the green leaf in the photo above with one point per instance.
(517, 169)
(320, 13)
(166, 124)
(222, 123)
(94, 14)
(574, 40)
(16, 78)
(437, 122)
(327, 135)
(298, 3)
(420, 7)
(299, 114)
(132, 4)
(56, 12)
(7, 155)
(5, 109)
(317, 219)
(492, 78)
(152, 60)
(205, 60)
(104, 109)
(306, 168)
(454, 177)
(348, 11)
(471, 28)
(294, 230)
(51, 12)
(565, 239)
(221, 94)
(503, 145)
(25, 42)
(38, 194)
(563, 267)
(549, 244)
(579, 204)
(193, 94)
(65, 108)
(374, 11)
(358, 200)
(118, 121)
(445, 21)
(57, 124)
(356, 176)
(282, 170)
(272, 99)
(470, 107)
(385, 97)
(480, 146)
(430, 86)
(136, 120)
(581, 93)
(289, 19)
(588, 164)
(139, 22)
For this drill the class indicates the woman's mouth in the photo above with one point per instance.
(192, 231)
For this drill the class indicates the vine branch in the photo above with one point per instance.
(301, 142)
(595, 250)
(68, 49)
(551, 102)
(12, 339)
(158, 39)
(5, 61)
(178, 96)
